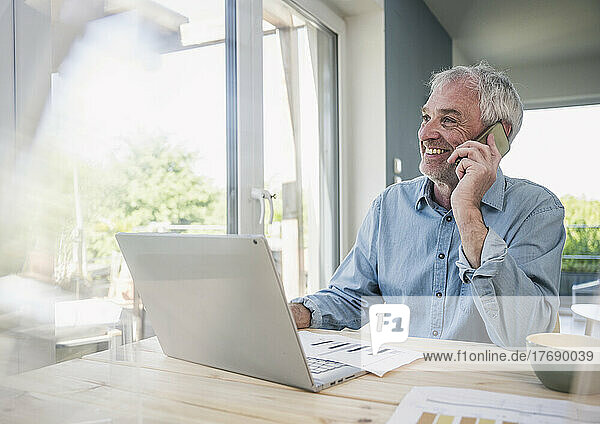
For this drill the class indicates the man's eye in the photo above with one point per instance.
(426, 118)
(447, 120)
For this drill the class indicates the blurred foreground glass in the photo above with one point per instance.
(301, 146)
(121, 126)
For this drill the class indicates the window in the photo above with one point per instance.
(300, 146)
(556, 148)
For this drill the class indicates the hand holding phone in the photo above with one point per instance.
(500, 138)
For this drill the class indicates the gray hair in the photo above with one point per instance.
(498, 98)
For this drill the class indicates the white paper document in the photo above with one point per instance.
(429, 405)
(354, 352)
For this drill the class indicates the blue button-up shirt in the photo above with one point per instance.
(408, 250)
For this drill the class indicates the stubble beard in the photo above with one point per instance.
(441, 175)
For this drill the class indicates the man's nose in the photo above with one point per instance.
(428, 131)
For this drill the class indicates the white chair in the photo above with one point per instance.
(591, 313)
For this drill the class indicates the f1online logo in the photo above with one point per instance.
(381, 322)
(389, 324)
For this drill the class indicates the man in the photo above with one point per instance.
(475, 254)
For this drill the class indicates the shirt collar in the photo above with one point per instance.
(494, 197)
(424, 192)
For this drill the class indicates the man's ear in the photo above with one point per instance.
(507, 128)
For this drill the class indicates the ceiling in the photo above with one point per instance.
(521, 32)
(346, 8)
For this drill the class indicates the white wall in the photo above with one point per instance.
(363, 146)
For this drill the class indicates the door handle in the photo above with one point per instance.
(262, 196)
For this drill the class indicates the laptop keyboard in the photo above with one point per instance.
(318, 366)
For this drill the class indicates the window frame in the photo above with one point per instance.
(250, 124)
(319, 12)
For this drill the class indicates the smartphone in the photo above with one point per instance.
(499, 137)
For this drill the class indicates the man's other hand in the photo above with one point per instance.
(301, 315)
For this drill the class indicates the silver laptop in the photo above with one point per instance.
(218, 301)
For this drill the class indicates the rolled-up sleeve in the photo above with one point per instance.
(343, 303)
(515, 289)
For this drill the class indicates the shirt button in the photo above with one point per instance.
(435, 333)
(448, 218)
(441, 256)
(438, 294)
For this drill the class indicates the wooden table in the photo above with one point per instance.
(138, 383)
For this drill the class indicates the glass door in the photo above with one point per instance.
(300, 145)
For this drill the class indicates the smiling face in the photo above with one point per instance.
(451, 116)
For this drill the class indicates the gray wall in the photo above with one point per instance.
(573, 83)
(415, 45)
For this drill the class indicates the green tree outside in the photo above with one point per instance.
(146, 183)
(581, 241)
